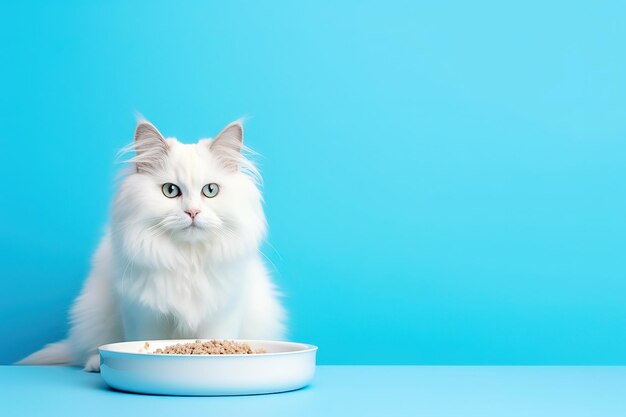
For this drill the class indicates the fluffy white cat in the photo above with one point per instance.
(181, 256)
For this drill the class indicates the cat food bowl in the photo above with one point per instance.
(134, 367)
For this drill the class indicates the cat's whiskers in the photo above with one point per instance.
(125, 225)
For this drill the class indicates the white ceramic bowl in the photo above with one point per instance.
(286, 366)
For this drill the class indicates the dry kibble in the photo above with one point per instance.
(210, 347)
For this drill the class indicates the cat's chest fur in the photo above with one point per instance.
(186, 298)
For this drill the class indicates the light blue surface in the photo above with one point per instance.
(447, 175)
(341, 391)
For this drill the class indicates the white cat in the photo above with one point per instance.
(181, 256)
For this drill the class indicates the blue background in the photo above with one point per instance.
(447, 178)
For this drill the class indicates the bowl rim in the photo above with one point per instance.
(106, 349)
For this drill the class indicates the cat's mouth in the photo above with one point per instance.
(192, 226)
(193, 232)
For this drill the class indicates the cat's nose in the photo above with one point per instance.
(192, 213)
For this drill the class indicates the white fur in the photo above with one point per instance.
(154, 276)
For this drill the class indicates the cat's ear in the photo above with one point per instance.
(150, 147)
(227, 145)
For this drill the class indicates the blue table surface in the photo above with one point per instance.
(339, 390)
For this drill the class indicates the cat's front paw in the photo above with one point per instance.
(92, 364)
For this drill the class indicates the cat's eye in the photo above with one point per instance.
(170, 190)
(210, 190)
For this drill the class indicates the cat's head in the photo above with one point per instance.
(200, 195)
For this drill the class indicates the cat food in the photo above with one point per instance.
(210, 347)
